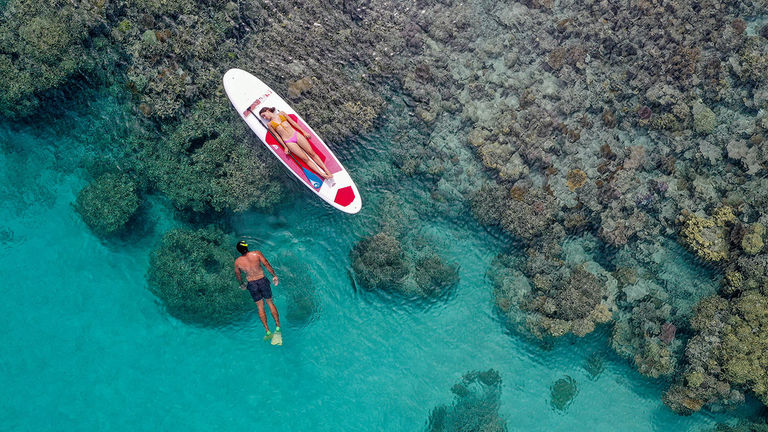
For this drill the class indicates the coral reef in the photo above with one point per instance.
(176, 54)
(594, 365)
(625, 124)
(644, 336)
(752, 242)
(209, 161)
(379, 262)
(475, 406)
(44, 44)
(191, 273)
(555, 293)
(758, 425)
(383, 262)
(108, 202)
(296, 282)
(708, 237)
(659, 285)
(562, 393)
(726, 356)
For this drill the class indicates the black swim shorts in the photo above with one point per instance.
(260, 289)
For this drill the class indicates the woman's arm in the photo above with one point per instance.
(278, 138)
(296, 126)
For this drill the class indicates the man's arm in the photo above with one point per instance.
(239, 277)
(269, 268)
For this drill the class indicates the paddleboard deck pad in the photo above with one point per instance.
(248, 95)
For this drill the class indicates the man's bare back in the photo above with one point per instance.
(251, 263)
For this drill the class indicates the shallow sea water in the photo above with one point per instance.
(86, 346)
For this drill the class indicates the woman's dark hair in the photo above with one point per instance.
(270, 109)
(242, 247)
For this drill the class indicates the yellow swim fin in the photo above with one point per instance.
(277, 338)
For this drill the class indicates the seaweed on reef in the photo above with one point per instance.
(475, 406)
(191, 274)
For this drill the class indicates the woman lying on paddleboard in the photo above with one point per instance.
(294, 139)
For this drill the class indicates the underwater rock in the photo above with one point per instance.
(475, 406)
(563, 391)
(107, 203)
(191, 273)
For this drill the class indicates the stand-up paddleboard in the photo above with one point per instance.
(248, 95)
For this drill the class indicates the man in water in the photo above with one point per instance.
(258, 285)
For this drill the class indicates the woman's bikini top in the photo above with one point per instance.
(282, 122)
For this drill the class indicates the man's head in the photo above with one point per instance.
(242, 247)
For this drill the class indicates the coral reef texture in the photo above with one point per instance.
(619, 149)
(191, 273)
(108, 203)
(475, 406)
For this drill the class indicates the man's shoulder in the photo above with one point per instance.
(255, 253)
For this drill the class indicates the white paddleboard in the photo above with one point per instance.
(248, 95)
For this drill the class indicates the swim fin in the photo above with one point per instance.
(277, 338)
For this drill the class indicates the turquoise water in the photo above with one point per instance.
(86, 346)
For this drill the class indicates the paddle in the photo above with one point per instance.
(313, 178)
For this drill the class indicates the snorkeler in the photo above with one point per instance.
(258, 286)
(294, 139)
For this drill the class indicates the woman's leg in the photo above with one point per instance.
(301, 154)
(308, 148)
